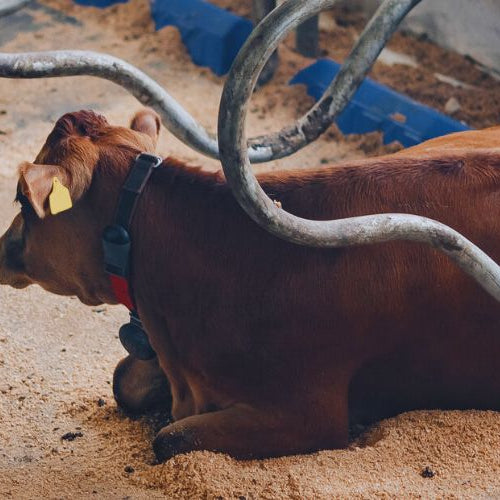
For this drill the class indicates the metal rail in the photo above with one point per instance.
(10, 6)
(182, 124)
(342, 232)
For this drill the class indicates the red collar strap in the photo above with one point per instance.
(116, 245)
(121, 290)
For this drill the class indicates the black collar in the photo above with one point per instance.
(116, 244)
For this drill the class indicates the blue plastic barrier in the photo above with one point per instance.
(212, 35)
(377, 107)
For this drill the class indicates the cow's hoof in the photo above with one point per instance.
(167, 444)
(141, 387)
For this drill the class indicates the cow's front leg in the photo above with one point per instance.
(141, 386)
(245, 432)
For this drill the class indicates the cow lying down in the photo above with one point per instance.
(265, 348)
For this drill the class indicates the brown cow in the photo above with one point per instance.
(267, 346)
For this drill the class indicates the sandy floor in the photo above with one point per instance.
(57, 356)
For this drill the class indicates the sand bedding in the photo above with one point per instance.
(61, 435)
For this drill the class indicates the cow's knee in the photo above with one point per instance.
(141, 386)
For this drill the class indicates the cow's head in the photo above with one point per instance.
(62, 252)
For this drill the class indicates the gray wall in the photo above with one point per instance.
(470, 27)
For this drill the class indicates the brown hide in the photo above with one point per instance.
(265, 343)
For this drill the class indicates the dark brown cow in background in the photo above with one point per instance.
(267, 347)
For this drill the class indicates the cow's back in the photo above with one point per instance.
(265, 319)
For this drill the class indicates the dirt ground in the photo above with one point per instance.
(61, 435)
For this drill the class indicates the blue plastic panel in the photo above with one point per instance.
(212, 35)
(374, 107)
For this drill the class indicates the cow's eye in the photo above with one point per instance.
(27, 211)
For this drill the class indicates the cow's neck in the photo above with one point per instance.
(176, 230)
(174, 225)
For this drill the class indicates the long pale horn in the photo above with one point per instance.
(336, 233)
(182, 124)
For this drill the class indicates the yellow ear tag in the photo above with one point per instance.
(59, 198)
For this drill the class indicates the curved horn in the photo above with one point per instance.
(10, 6)
(141, 86)
(337, 233)
(336, 97)
(182, 124)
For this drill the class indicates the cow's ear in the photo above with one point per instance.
(45, 188)
(148, 122)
